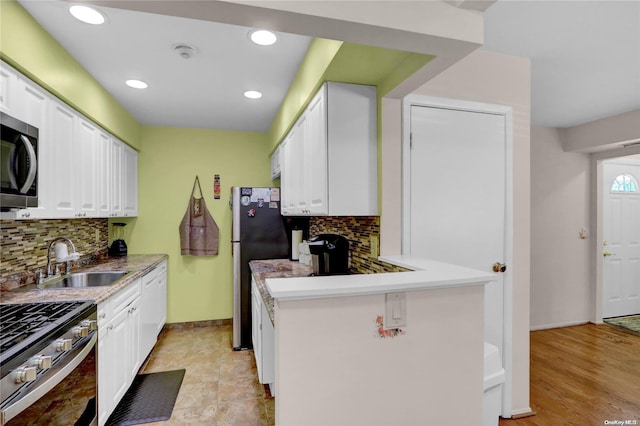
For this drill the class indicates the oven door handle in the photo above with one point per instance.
(49, 382)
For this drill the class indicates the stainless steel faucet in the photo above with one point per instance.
(49, 264)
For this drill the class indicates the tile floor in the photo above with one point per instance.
(220, 386)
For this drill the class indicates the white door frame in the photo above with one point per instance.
(507, 112)
(597, 220)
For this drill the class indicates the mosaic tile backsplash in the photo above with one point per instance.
(358, 230)
(24, 244)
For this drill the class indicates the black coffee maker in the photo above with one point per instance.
(118, 246)
(329, 254)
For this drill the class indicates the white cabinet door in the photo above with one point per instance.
(119, 357)
(117, 148)
(118, 341)
(315, 157)
(86, 163)
(275, 164)
(63, 178)
(34, 109)
(335, 143)
(256, 326)
(287, 205)
(9, 98)
(130, 181)
(153, 307)
(104, 174)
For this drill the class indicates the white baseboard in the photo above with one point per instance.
(557, 325)
(525, 412)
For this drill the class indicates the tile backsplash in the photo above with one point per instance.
(24, 244)
(358, 230)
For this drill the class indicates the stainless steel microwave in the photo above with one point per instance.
(18, 164)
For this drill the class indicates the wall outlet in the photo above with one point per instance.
(373, 244)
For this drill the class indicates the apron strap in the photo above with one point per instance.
(197, 181)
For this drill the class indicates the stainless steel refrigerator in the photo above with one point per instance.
(258, 233)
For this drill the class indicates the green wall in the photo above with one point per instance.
(28, 47)
(200, 287)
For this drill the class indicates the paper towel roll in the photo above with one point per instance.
(296, 239)
(61, 252)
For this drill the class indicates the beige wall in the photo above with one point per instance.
(496, 79)
(334, 369)
(604, 134)
(560, 275)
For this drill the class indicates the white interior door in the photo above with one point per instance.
(621, 245)
(458, 180)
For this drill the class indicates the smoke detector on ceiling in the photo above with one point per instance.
(184, 50)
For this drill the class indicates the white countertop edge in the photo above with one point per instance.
(439, 277)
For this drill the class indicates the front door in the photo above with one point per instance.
(621, 238)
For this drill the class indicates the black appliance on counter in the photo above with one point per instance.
(47, 359)
(329, 254)
(118, 247)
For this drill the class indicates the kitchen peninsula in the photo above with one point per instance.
(338, 363)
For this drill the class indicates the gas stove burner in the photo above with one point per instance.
(23, 325)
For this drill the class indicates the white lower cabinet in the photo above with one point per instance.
(262, 334)
(128, 326)
(118, 347)
(154, 301)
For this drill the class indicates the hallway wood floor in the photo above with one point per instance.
(584, 375)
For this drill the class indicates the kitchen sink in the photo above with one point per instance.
(86, 279)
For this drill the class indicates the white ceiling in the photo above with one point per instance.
(205, 91)
(585, 61)
(585, 55)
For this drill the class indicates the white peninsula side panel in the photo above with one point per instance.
(333, 366)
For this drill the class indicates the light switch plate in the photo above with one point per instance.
(395, 310)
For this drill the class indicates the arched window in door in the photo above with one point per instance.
(625, 183)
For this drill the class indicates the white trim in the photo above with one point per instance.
(507, 113)
(558, 325)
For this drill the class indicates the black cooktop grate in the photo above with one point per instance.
(20, 321)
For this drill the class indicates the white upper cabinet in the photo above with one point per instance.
(63, 176)
(9, 91)
(82, 170)
(329, 165)
(86, 162)
(275, 164)
(129, 181)
(104, 174)
(117, 148)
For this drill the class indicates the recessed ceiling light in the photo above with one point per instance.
(252, 94)
(263, 37)
(87, 14)
(136, 84)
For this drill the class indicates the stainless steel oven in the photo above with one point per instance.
(18, 164)
(48, 364)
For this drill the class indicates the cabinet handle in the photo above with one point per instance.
(102, 316)
(110, 327)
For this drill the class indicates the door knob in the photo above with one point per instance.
(499, 267)
(606, 253)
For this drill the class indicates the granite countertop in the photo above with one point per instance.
(139, 264)
(275, 268)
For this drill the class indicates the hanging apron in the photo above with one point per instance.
(198, 230)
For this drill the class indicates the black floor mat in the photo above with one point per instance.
(150, 398)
